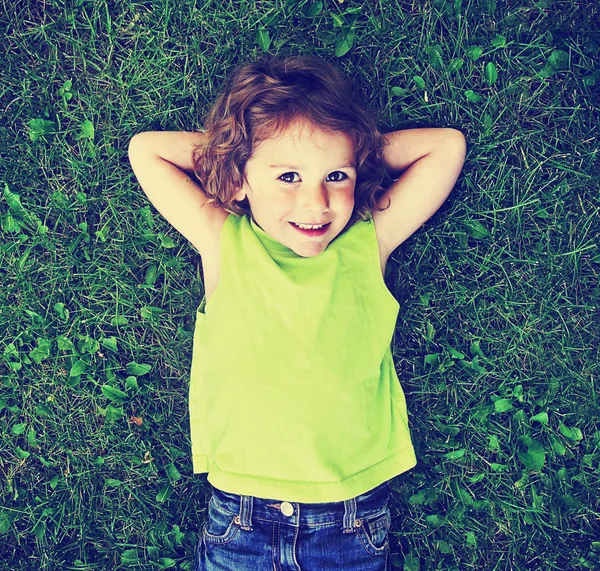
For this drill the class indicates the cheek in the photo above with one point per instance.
(347, 198)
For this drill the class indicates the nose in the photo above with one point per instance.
(315, 198)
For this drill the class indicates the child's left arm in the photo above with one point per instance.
(430, 161)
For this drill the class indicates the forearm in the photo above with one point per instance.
(407, 146)
(174, 147)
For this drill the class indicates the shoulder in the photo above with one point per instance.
(372, 219)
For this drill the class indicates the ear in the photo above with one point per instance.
(242, 192)
(240, 195)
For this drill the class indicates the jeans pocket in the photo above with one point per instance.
(375, 530)
(221, 526)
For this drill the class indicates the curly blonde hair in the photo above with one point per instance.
(263, 97)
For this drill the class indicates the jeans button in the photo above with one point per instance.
(287, 509)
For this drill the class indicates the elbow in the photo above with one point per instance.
(458, 142)
(139, 146)
(132, 144)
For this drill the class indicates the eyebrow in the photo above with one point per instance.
(348, 166)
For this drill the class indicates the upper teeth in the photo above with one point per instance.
(308, 226)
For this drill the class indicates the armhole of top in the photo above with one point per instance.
(377, 263)
(202, 307)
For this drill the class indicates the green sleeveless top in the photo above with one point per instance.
(293, 391)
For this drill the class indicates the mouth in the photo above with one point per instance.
(312, 231)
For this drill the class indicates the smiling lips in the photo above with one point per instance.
(312, 231)
(311, 223)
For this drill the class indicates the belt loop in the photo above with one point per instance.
(350, 524)
(245, 517)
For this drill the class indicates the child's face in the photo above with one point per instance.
(312, 184)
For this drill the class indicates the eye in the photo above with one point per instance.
(288, 177)
(288, 174)
(343, 176)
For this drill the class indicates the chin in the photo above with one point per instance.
(314, 253)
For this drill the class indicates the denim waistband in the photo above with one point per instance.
(369, 504)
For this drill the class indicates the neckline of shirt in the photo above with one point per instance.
(269, 243)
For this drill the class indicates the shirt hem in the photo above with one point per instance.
(309, 492)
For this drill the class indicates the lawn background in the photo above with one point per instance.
(498, 332)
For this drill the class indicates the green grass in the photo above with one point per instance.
(498, 332)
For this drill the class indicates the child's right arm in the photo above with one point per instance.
(162, 163)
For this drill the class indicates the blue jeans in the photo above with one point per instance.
(245, 533)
